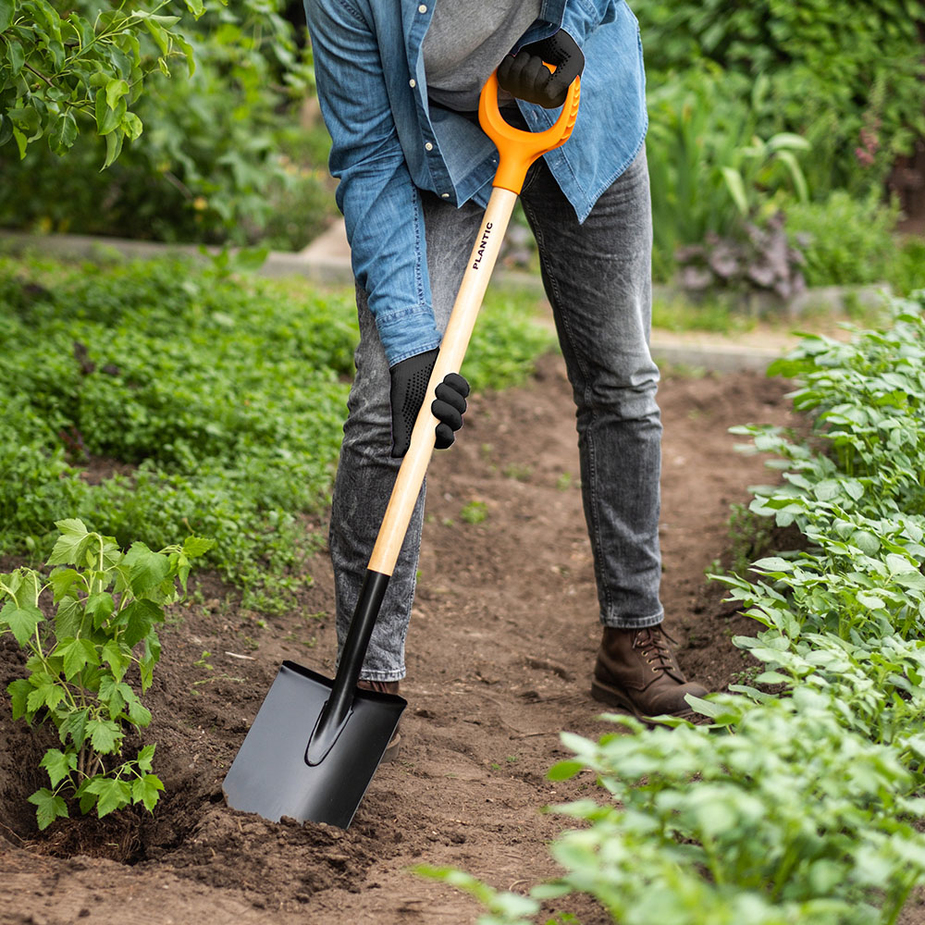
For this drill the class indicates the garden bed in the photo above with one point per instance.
(500, 651)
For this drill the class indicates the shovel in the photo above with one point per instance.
(315, 744)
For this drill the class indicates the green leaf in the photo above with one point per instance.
(63, 132)
(44, 694)
(147, 569)
(21, 621)
(157, 31)
(49, 807)
(107, 120)
(105, 735)
(76, 654)
(70, 618)
(62, 580)
(115, 90)
(147, 790)
(139, 617)
(118, 660)
(195, 546)
(138, 713)
(58, 765)
(16, 56)
(772, 564)
(6, 14)
(19, 691)
(72, 544)
(100, 606)
(112, 794)
(145, 757)
(564, 770)
(74, 727)
(736, 187)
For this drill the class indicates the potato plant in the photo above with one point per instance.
(106, 607)
(799, 805)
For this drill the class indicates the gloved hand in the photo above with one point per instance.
(525, 76)
(409, 388)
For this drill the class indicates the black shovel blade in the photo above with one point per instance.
(270, 776)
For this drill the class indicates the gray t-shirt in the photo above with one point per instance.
(466, 41)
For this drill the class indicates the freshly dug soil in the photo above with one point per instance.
(500, 651)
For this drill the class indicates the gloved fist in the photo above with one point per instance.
(525, 76)
(408, 391)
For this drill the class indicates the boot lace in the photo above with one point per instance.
(653, 645)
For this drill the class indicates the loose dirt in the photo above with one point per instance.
(499, 657)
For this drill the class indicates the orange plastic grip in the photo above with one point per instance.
(519, 149)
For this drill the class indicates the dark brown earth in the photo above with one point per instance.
(500, 651)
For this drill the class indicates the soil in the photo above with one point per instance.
(500, 650)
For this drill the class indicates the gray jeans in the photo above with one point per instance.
(597, 277)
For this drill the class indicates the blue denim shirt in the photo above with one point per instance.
(389, 142)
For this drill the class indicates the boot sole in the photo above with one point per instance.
(604, 693)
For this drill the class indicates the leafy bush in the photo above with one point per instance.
(222, 157)
(108, 604)
(89, 64)
(710, 169)
(845, 240)
(852, 84)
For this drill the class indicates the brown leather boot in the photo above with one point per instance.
(636, 672)
(385, 687)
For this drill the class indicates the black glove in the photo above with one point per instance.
(409, 389)
(525, 76)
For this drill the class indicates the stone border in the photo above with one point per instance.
(327, 261)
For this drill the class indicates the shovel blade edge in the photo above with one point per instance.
(269, 775)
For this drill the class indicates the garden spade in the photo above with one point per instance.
(315, 744)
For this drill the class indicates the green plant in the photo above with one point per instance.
(710, 168)
(90, 63)
(850, 84)
(132, 400)
(792, 817)
(845, 240)
(219, 161)
(107, 604)
(474, 512)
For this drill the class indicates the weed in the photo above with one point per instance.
(475, 512)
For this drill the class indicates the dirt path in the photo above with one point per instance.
(499, 660)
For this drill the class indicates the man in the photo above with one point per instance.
(398, 83)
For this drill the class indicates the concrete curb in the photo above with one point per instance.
(327, 261)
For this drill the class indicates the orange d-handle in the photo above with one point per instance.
(519, 149)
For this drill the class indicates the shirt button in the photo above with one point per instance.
(412, 82)
(428, 147)
(422, 8)
(445, 195)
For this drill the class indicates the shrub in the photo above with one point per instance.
(850, 83)
(845, 240)
(220, 159)
(107, 607)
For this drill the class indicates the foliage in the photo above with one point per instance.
(845, 240)
(764, 260)
(710, 169)
(141, 396)
(798, 804)
(91, 63)
(107, 607)
(225, 156)
(850, 83)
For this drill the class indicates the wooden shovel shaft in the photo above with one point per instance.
(449, 360)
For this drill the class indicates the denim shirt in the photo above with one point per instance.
(389, 141)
